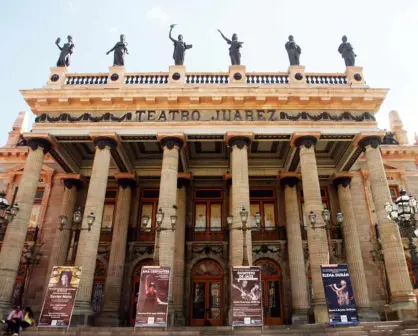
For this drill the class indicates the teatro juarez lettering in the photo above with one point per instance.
(206, 115)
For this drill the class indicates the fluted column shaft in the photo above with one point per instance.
(89, 240)
(240, 199)
(352, 243)
(14, 240)
(178, 269)
(300, 301)
(167, 203)
(395, 262)
(317, 239)
(114, 278)
(62, 238)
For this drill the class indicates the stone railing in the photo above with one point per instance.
(177, 76)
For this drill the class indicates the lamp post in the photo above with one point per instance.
(244, 228)
(75, 227)
(402, 212)
(326, 215)
(7, 211)
(158, 228)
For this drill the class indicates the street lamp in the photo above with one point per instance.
(244, 218)
(402, 212)
(159, 216)
(76, 222)
(7, 211)
(326, 216)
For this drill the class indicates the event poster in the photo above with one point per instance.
(339, 294)
(60, 296)
(152, 306)
(246, 296)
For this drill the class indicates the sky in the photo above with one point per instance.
(383, 33)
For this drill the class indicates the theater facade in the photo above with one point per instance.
(201, 148)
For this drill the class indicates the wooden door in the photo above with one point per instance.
(272, 292)
(206, 294)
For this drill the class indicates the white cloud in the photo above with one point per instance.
(113, 29)
(157, 14)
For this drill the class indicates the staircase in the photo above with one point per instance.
(395, 328)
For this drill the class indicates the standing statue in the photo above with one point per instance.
(293, 51)
(120, 49)
(66, 52)
(180, 47)
(347, 52)
(234, 48)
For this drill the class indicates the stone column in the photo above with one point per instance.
(403, 300)
(89, 240)
(240, 199)
(317, 239)
(14, 240)
(167, 203)
(178, 266)
(114, 279)
(62, 238)
(300, 297)
(352, 246)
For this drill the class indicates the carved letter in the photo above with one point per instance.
(272, 115)
(140, 113)
(173, 114)
(249, 115)
(162, 117)
(260, 115)
(151, 115)
(237, 116)
(195, 115)
(185, 115)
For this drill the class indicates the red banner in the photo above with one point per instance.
(152, 304)
(60, 297)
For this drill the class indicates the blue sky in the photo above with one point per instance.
(383, 34)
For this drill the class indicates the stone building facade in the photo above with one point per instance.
(203, 146)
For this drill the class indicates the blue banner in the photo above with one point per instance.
(342, 309)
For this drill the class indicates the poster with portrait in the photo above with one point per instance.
(152, 305)
(60, 297)
(342, 309)
(246, 296)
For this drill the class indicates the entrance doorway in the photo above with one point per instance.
(272, 291)
(136, 277)
(206, 294)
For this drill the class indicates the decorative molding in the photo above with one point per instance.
(35, 143)
(118, 160)
(207, 249)
(307, 141)
(290, 181)
(373, 141)
(276, 249)
(103, 142)
(85, 117)
(343, 180)
(295, 160)
(272, 137)
(171, 142)
(353, 159)
(60, 161)
(239, 141)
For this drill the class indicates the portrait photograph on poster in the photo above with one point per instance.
(339, 295)
(246, 296)
(152, 306)
(60, 297)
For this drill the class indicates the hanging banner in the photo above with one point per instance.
(152, 306)
(60, 297)
(246, 298)
(339, 294)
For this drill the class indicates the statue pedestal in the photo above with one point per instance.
(177, 74)
(237, 74)
(116, 76)
(57, 76)
(297, 75)
(355, 76)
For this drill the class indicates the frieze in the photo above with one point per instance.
(205, 115)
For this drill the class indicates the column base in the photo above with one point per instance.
(83, 315)
(321, 313)
(5, 309)
(368, 315)
(402, 311)
(108, 319)
(300, 316)
(179, 319)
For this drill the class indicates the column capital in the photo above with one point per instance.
(183, 179)
(343, 181)
(239, 141)
(35, 143)
(289, 181)
(73, 182)
(126, 180)
(171, 141)
(306, 140)
(102, 142)
(373, 140)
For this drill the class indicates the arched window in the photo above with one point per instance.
(98, 286)
(272, 291)
(206, 293)
(136, 277)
